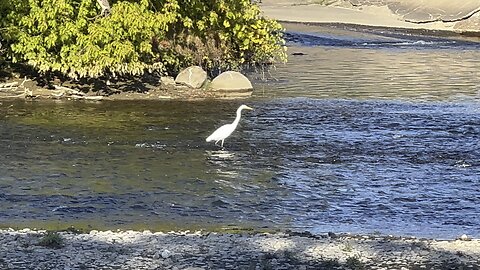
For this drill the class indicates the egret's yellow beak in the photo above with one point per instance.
(248, 108)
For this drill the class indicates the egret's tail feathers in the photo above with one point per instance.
(209, 139)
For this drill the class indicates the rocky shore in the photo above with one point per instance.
(36, 249)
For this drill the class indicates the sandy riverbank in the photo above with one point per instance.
(313, 12)
(200, 250)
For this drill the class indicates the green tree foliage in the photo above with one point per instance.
(71, 37)
(226, 33)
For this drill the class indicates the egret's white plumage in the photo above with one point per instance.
(224, 131)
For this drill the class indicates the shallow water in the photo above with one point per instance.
(345, 138)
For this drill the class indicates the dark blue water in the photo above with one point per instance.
(367, 166)
(344, 36)
(346, 140)
(316, 164)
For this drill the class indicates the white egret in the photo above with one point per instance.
(224, 131)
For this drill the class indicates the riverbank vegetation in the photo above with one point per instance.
(88, 39)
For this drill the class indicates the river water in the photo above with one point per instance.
(364, 131)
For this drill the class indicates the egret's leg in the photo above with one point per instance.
(222, 143)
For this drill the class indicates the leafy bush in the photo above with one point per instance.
(226, 33)
(71, 37)
(68, 36)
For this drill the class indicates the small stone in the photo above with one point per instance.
(332, 235)
(464, 237)
(166, 253)
(167, 80)
(423, 253)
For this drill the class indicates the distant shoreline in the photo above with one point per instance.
(293, 11)
(470, 36)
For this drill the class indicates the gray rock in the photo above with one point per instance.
(464, 237)
(166, 253)
(231, 80)
(167, 80)
(193, 77)
(231, 84)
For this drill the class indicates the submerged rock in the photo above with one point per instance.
(193, 77)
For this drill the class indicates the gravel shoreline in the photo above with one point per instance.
(20, 249)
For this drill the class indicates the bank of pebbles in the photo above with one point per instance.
(20, 249)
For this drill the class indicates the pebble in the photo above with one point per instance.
(166, 253)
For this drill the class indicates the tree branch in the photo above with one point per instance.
(105, 7)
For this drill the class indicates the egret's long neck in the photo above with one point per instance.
(237, 119)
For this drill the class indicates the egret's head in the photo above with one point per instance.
(245, 107)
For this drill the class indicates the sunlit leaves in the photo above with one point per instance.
(68, 36)
(73, 38)
(236, 28)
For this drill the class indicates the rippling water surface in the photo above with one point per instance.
(379, 133)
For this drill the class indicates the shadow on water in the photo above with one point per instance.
(359, 140)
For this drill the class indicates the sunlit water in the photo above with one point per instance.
(377, 135)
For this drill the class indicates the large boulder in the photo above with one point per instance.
(231, 80)
(232, 84)
(193, 77)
